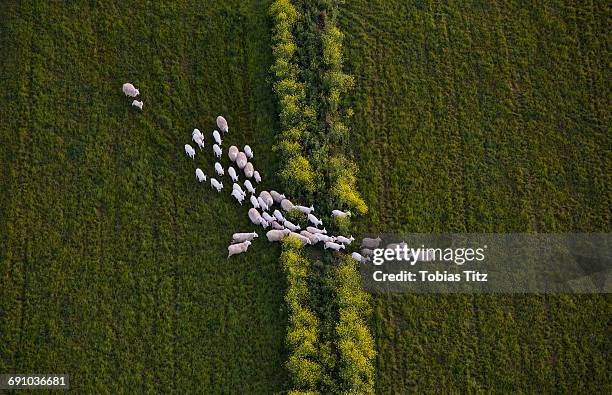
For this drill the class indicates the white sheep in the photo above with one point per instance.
(189, 151)
(137, 103)
(277, 234)
(312, 229)
(239, 197)
(345, 240)
(262, 204)
(216, 184)
(254, 216)
(222, 124)
(217, 137)
(254, 202)
(256, 176)
(237, 186)
(304, 209)
(314, 220)
(303, 239)
(232, 153)
(241, 237)
(276, 225)
(267, 216)
(290, 225)
(241, 160)
(278, 197)
(249, 187)
(219, 169)
(232, 173)
(264, 224)
(277, 214)
(286, 205)
(234, 249)
(200, 175)
(265, 195)
(248, 170)
(217, 150)
(248, 152)
(199, 141)
(313, 239)
(334, 246)
(130, 90)
(324, 238)
(196, 132)
(370, 243)
(341, 214)
(359, 258)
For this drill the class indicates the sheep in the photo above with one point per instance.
(278, 197)
(249, 187)
(367, 252)
(264, 224)
(217, 150)
(314, 220)
(370, 243)
(313, 239)
(277, 226)
(199, 141)
(241, 237)
(239, 197)
(232, 173)
(216, 184)
(304, 209)
(130, 90)
(222, 124)
(303, 239)
(256, 176)
(286, 205)
(200, 175)
(196, 132)
(341, 214)
(254, 202)
(189, 151)
(241, 160)
(217, 137)
(232, 152)
(137, 103)
(248, 170)
(219, 169)
(312, 229)
(334, 246)
(290, 225)
(277, 214)
(254, 216)
(267, 217)
(277, 234)
(265, 195)
(359, 258)
(262, 204)
(345, 240)
(236, 187)
(324, 238)
(234, 249)
(248, 152)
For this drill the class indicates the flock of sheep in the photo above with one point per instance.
(270, 216)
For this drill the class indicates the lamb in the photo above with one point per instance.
(359, 258)
(234, 249)
(290, 225)
(286, 205)
(130, 90)
(137, 103)
(241, 237)
(325, 238)
(334, 246)
(267, 217)
(216, 184)
(277, 234)
(249, 187)
(222, 124)
(277, 226)
(303, 239)
(262, 204)
(277, 214)
(254, 216)
(239, 197)
(199, 141)
(232, 152)
(254, 202)
(248, 152)
(248, 170)
(264, 224)
(313, 239)
(196, 132)
(304, 209)
(278, 197)
(345, 240)
(370, 243)
(219, 169)
(189, 151)
(217, 137)
(256, 176)
(217, 150)
(312, 229)
(314, 220)
(236, 187)
(367, 252)
(265, 195)
(232, 174)
(200, 175)
(340, 214)
(241, 160)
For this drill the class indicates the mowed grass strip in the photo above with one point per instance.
(114, 258)
(474, 117)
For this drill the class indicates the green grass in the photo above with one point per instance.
(484, 117)
(112, 258)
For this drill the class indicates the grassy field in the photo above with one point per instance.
(484, 117)
(112, 259)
